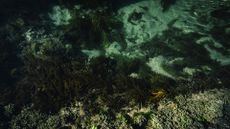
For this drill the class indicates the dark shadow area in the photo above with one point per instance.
(25, 9)
(113, 4)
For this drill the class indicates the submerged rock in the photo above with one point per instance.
(192, 111)
(60, 16)
(147, 24)
(209, 109)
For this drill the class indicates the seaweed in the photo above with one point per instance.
(50, 84)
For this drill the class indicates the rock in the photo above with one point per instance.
(60, 16)
(206, 106)
(159, 64)
(170, 34)
(192, 111)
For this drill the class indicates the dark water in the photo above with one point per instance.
(101, 60)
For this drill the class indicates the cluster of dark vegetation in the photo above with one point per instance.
(52, 84)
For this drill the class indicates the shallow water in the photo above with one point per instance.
(108, 64)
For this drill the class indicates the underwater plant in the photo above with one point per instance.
(158, 94)
(54, 83)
